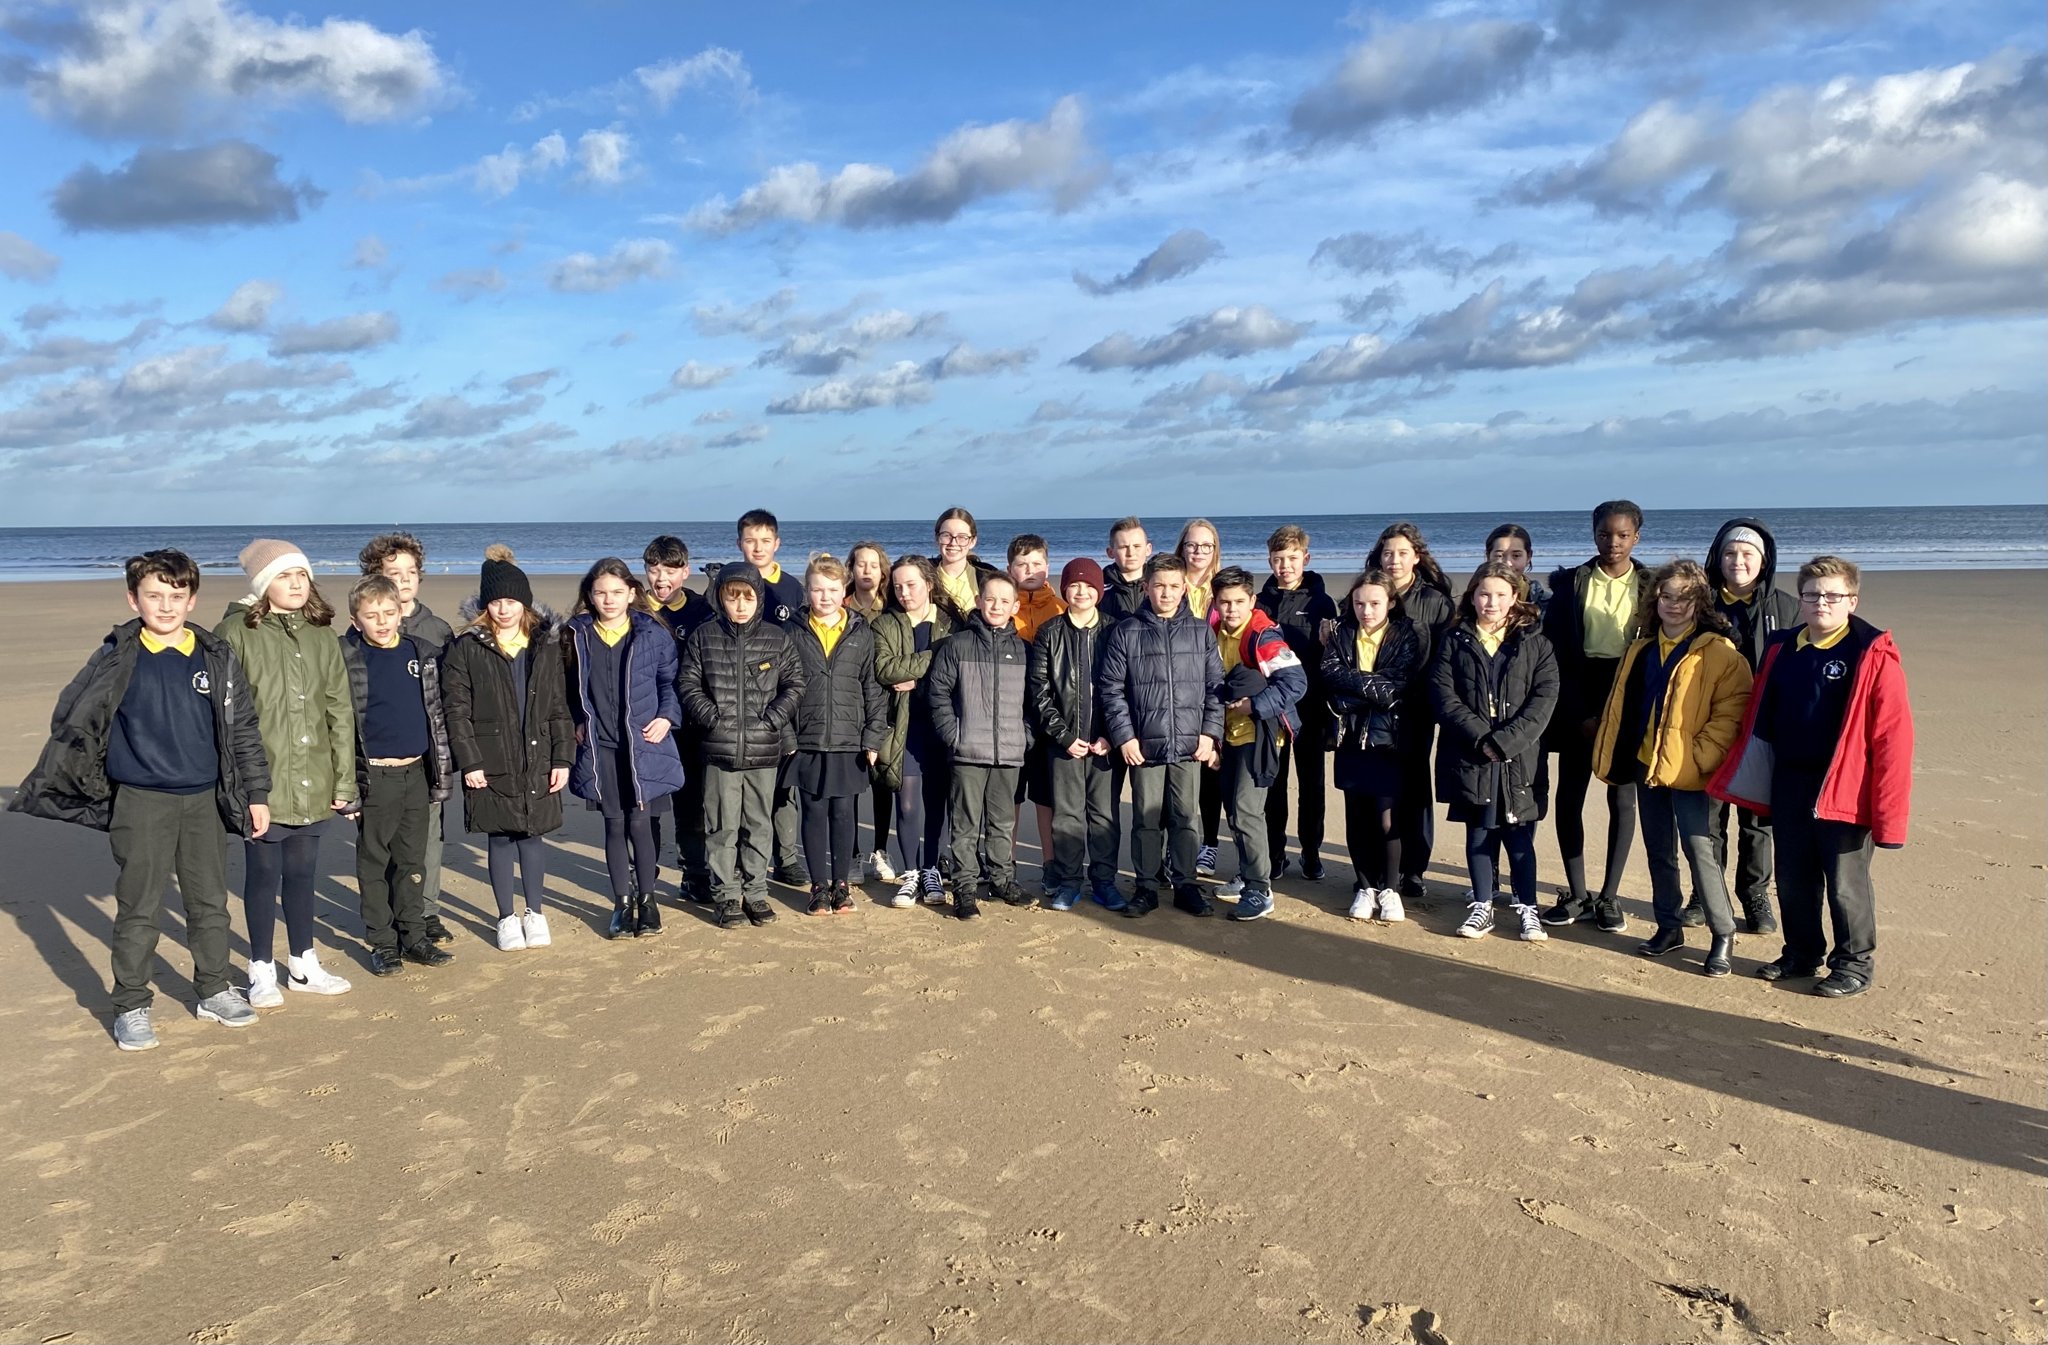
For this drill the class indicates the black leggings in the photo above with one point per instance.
(271, 869)
(1574, 778)
(921, 816)
(829, 829)
(632, 854)
(502, 849)
(882, 798)
(1212, 805)
(1372, 838)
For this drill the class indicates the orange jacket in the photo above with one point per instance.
(1035, 607)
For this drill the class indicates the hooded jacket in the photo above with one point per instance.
(1769, 610)
(1300, 613)
(1121, 597)
(515, 742)
(897, 660)
(429, 633)
(1564, 625)
(1158, 684)
(439, 757)
(976, 692)
(301, 691)
(650, 663)
(1869, 781)
(1368, 706)
(69, 782)
(1704, 699)
(1504, 700)
(844, 708)
(742, 684)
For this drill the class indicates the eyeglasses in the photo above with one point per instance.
(1826, 599)
(1199, 546)
(957, 538)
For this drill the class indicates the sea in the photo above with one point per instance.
(1963, 537)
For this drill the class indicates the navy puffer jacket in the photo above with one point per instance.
(1158, 684)
(650, 694)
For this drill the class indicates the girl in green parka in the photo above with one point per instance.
(913, 761)
(283, 633)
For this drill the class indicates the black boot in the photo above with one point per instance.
(646, 917)
(1758, 915)
(622, 916)
(1693, 914)
(1662, 942)
(1718, 954)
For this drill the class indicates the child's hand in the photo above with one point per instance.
(475, 779)
(1325, 629)
(1079, 748)
(579, 735)
(903, 686)
(1241, 706)
(1134, 754)
(657, 731)
(871, 755)
(1100, 747)
(1205, 750)
(259, 819)
(558, 779)
(343, 805)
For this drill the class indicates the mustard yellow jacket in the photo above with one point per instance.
(1698, 724)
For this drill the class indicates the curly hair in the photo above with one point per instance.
(1522, 616)
(1694, 587)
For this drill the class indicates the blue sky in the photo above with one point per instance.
(653, 261)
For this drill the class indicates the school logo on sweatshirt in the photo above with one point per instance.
(201, 683)
(1834, 670)
(413, 666)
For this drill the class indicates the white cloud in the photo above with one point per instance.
(1413, 71)
(23, 260)
(224, 183)
(358, 331)
(666, 79)
(972, 163)
(602, 156)
(1229, 332)
(248, 308)
(499, 175)
(1182, 252)
(472, 282)
(964, 361)
(454, 417)
(628, 261)
(1366, 253)
(151, 67)
(810, 351)
(740, 437)
(370, 254)
(695, 377)
(904, 383)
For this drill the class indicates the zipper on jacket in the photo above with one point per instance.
(589, 715)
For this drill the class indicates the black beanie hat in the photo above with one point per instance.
(502, 579)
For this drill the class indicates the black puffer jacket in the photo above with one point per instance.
(1504, 700)
(440, 757)
(1370, 706)
(515, 745)
(844, 708)
(69, 782)
(1159, 682)
(1066, 660)
(741, 685)
(1299, 613)
(976, 693)
(1581, 695)
(1769, 610)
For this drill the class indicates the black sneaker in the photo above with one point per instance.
(1693, 914)
(821, 900)
(1841, 985)
(758, 912)
(1565, 913)
(965, 906)
(792, 875)
(439, 932)
(1141, 904)
(1781, 968)
(1015, 895)
(385, 962)
(1607, 913)
(842, 898)
(1412, 889)
(426, 954)
(1758, 916)
(1312, 869)
(730, 915)
(1193, 902)
(1280, 867)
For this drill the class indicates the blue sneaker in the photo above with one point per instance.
(1107, 896)
(1063, 899)
(1252, 905)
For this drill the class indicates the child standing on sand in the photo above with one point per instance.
(840, 727)
(867, 592)
(283, 632)
(1370, 669)
(509, 725)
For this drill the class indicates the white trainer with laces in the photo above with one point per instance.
(535, 926)
(1391, 909)
(263, 988)
(309, 977)
(881, 869)
(1532, 930)
(906, 894)
(1478, 921)
(1362, 903)
(511, 935)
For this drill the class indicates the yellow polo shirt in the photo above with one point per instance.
(184, 644)
(1369, 648)
(1825, 641)
(961, 588)
(828, 636)
(1609, 608)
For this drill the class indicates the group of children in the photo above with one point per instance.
(949, 693)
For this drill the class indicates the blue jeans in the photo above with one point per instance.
(1675, 820)
(1519, 839)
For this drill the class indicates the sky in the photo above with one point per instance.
(575, 261)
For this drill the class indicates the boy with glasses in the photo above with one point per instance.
(1827, 753)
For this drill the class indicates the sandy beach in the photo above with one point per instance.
(1055, 1127)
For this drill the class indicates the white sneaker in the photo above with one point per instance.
(511, 935)
(906, 895)
(881, 869)
(306, 974)
(1532, 930)
(535, 926)
(263, 989)
(1361, 903)
(1391, 909)
(1233, 888)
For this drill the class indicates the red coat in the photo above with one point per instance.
(1869, 782)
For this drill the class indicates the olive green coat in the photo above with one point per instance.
(303, 707)
(897, 660)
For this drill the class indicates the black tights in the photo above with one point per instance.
(829, 829)
(920, 817)
(632, 854)
(883, 798)
(1211, 794)
(501, 850)
(1372, 838)
(271, 869)
(1574, 778)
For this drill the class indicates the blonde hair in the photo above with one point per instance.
(1832, 567)
(1215, 557)
(825, 565)
(1288, 536)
